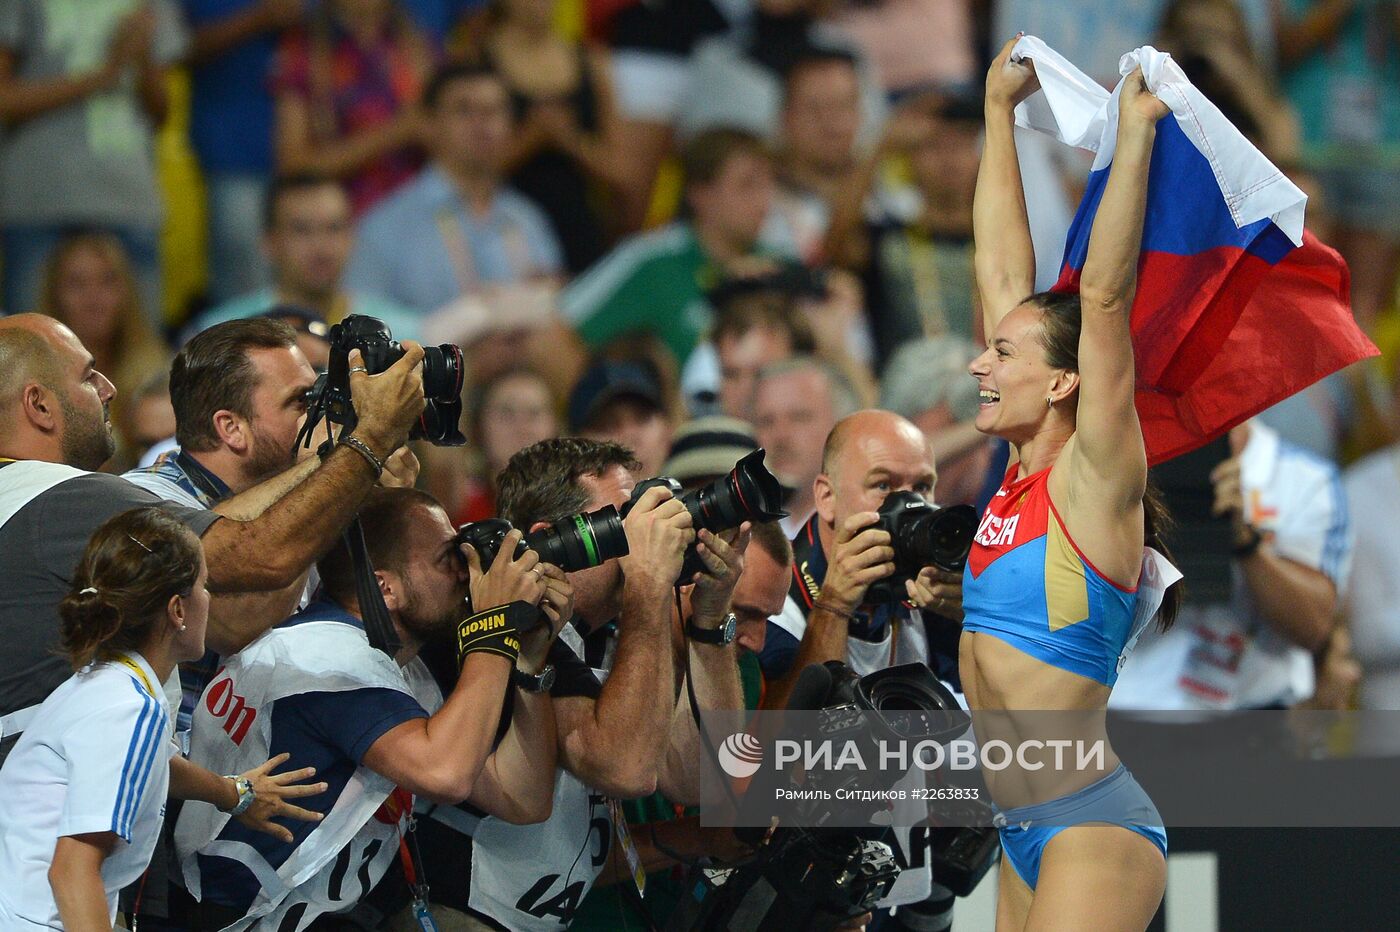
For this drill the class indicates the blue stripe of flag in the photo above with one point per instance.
(1186, 213)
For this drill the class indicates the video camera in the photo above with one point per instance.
(922, 535)
(808, 877)
(749, 492)
(443, 377)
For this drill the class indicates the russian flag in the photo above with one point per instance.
(1230, 317)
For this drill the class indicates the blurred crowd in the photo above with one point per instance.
(634, 215)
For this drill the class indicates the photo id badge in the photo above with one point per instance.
(629, 848)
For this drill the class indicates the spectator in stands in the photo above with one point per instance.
(308, 233)
(82, 91)
(1373, 597)
(651, 45)
(927, 383)
(347, 85)
(755, 326)
(737, 79)
(655, 282)
(1340, 61)
(914, 255)
(512, 411)
(915, 45)
(149, 421)
(622, 402)
(457, 229)
(820, 118)
(796, 403)
(564, 157)
(88, 284)
(233, 44)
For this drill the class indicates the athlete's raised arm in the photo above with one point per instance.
(1004, 258)
(1109, 456)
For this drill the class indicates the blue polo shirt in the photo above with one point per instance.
(408, 247)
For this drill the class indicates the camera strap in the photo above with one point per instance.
(379, 627)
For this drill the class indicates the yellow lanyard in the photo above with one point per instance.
(140, 674)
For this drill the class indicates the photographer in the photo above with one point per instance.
(315, 688)
(621, 731)
(54, 430)
(838, 555)
(239, 394)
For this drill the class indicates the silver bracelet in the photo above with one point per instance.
(362, 448)
(246, 795)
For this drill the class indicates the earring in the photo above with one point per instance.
(1049, 402)
(182, 627)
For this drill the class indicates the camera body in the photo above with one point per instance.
(922, 534)
(444, 375)
(749, 492)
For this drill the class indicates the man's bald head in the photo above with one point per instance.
(27, 354)
(53, 403)
(872, 423)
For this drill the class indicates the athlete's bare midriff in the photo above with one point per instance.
(1013, 697)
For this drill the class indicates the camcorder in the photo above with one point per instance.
(749, 492)
(805, 876)
(922, 535)
(443, 377)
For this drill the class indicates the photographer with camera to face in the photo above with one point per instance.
(622, 733)
(830, 613)
(376, 727)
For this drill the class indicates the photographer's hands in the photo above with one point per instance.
(387, 404)
(937, 590)
(860, 556)
(508, 580)
(557, 604)
(723, 556)
(659, 529)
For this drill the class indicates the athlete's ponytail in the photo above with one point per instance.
(133, 565)
(1157, 524)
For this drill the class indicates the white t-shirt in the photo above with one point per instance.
(96, 758)
(1373, 598)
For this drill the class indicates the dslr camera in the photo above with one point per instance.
(443, 378)
(922, 535)
(748, 493)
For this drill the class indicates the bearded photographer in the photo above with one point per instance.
(376, 728)
(55, 431)
(624, 724)
(838, 556)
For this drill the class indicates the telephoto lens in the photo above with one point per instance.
(574, 543)
(922, 535)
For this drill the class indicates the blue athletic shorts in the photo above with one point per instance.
(1116, 799)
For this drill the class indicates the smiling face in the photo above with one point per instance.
(1015, 379)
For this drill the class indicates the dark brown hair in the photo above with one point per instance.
(704, 157)
(540, 483)
(768, 536)
(771, 309)
(1060, 322)
(213, 373)
(132, 566)
(385, 515)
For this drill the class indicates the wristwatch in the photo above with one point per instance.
(541, 682)
(246, 796)
(722, 636)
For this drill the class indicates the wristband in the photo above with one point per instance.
(494, 631)
(838, 612)
(362, 448)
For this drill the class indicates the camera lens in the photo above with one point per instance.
(582, 540)
(443, 372)
(940, 537)
(749, 493)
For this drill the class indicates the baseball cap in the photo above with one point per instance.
(708, 447)
(604, 383)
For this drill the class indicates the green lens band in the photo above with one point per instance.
(586, 533)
